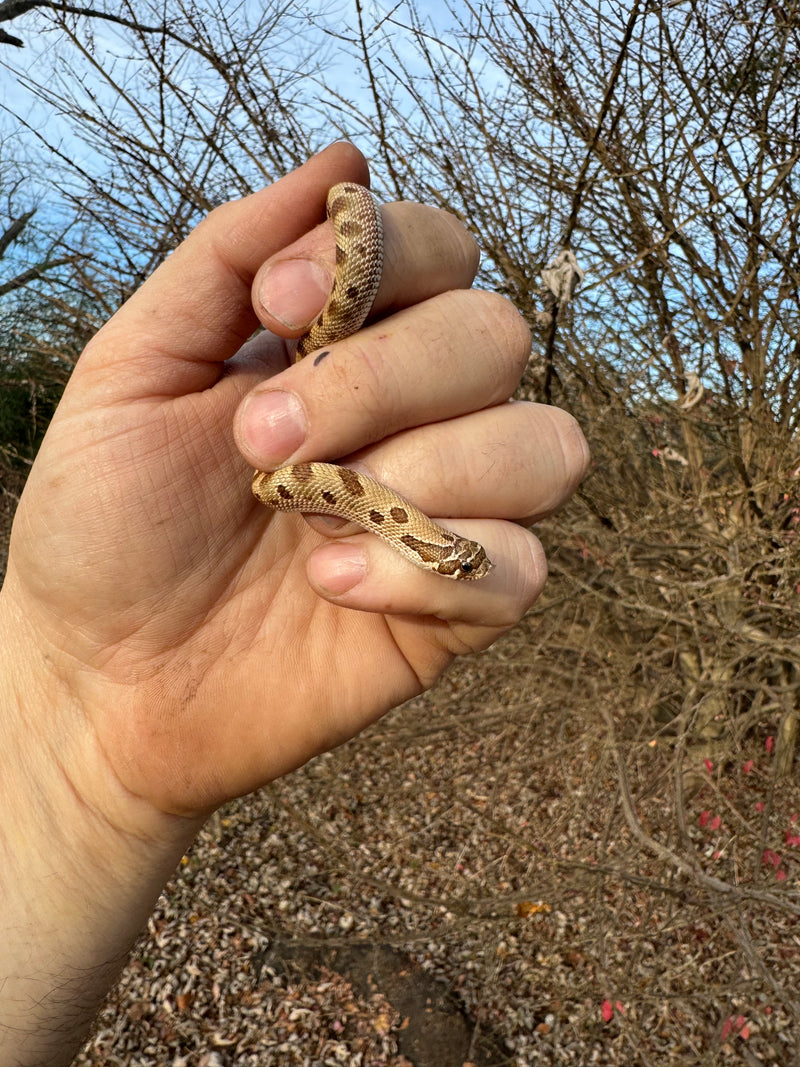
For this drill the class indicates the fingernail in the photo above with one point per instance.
(339, 140)
(294, 291)
(274, 425)
(341, 567)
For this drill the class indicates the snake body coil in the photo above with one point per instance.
(328, 489)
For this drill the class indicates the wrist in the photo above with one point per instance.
(82, 861)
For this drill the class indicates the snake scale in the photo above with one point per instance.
(326, 488)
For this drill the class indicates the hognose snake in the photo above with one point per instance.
(328, 489)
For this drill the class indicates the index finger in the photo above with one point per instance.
(426, 251)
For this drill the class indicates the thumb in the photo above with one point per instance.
(195, 311)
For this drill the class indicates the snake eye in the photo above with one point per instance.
(466, 568)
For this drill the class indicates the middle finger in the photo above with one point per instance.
(457, 352)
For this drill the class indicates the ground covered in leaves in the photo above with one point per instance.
(489, 876)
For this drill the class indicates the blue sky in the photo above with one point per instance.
(50, 60)
(48, 57)
(46, 53)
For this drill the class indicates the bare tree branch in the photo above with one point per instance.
(13, 230)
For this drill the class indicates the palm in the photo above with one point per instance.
(210, 618)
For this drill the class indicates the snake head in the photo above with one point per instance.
(466, 561)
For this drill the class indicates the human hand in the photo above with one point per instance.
(200, 644)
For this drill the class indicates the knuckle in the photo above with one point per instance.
(509, 324)
(463, 248)
(522, 573)
(531, 573)
(505, 334)
(433, 236)
(572, 443)
(220, 218)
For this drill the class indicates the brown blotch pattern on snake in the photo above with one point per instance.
(425, 550)
(351, 481)
(351, 228)
(303, 472)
